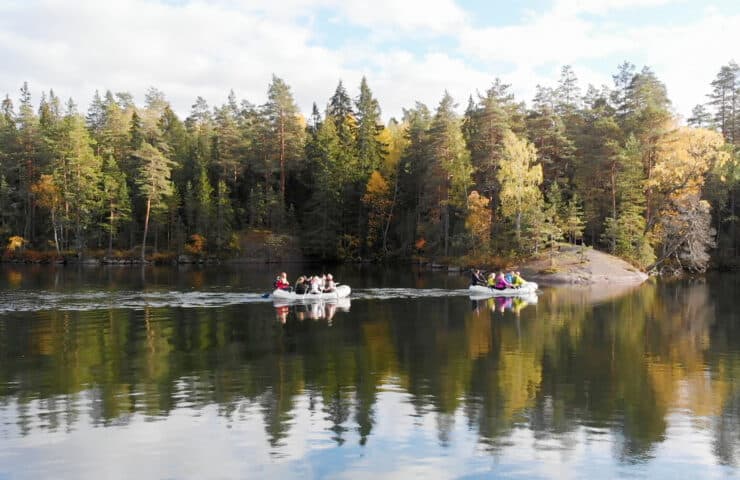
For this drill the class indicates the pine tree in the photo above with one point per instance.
(227, 143)
(115, 197)
(28, 172)
(223, 216)
(153, 180)
(412, 171)
(321, 226)
(78, 173)
(555, 150)
(725, 98)
(95, 118)
(567, 94)
(284, 144)
(204, 203)
(450, 176)
(625, 228)
(572, 223)
(700, 117)
(484, 126)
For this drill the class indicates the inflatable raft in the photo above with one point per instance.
(480, 291)
(341, 291)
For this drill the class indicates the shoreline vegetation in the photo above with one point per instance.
(565, 264)
(503, 183)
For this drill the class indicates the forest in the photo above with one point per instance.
(613, 167)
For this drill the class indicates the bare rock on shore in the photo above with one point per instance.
(581, 266)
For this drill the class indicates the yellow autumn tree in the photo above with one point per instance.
(683, 226)
(478, 221)
(377, 201)
(49, 197)
(520, 177)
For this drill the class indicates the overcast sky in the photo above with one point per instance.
(408, 50)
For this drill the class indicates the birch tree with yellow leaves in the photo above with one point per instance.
(520, 178)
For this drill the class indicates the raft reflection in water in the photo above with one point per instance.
(323, 310)
(501, 304)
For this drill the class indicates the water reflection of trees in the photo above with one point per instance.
(621, 366)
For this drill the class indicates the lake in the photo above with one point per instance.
(190, 374)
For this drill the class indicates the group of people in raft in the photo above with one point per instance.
(499, 281)
(310, 284)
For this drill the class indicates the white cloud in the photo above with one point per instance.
(688, 57)
(193, 48)
(551, 37)
(420, 16)
(605, 6)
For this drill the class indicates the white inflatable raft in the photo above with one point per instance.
(341, 291)
(478, 291)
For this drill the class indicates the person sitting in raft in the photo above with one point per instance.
(509, 276)
(476, 277)
(301, 287)
(501, 283)
(329, 285)
(491, 280)
(282, 283)
(315, 285)
(517, 281)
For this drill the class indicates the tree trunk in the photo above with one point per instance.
(390, 216)
(519, 228)
(282, 156)
(110, 232)
(614, 206)
(733, 228)
(146, 228)
(447, 228)
(156, 235)
(54, 228)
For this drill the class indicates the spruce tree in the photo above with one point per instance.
(370, 149)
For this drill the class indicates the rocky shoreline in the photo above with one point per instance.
(575, 265)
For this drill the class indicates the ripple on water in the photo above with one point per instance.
(33, 301)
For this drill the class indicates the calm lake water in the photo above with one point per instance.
(190, 374)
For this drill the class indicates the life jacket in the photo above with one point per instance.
(501, 283)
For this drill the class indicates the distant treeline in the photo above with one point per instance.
(609, 166)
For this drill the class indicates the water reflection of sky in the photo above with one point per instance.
(121, 381)
(202, 443)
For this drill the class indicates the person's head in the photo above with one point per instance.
(329, 277)
(517, 273)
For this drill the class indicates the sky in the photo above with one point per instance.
(408, 50)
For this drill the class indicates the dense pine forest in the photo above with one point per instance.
(610, 167)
